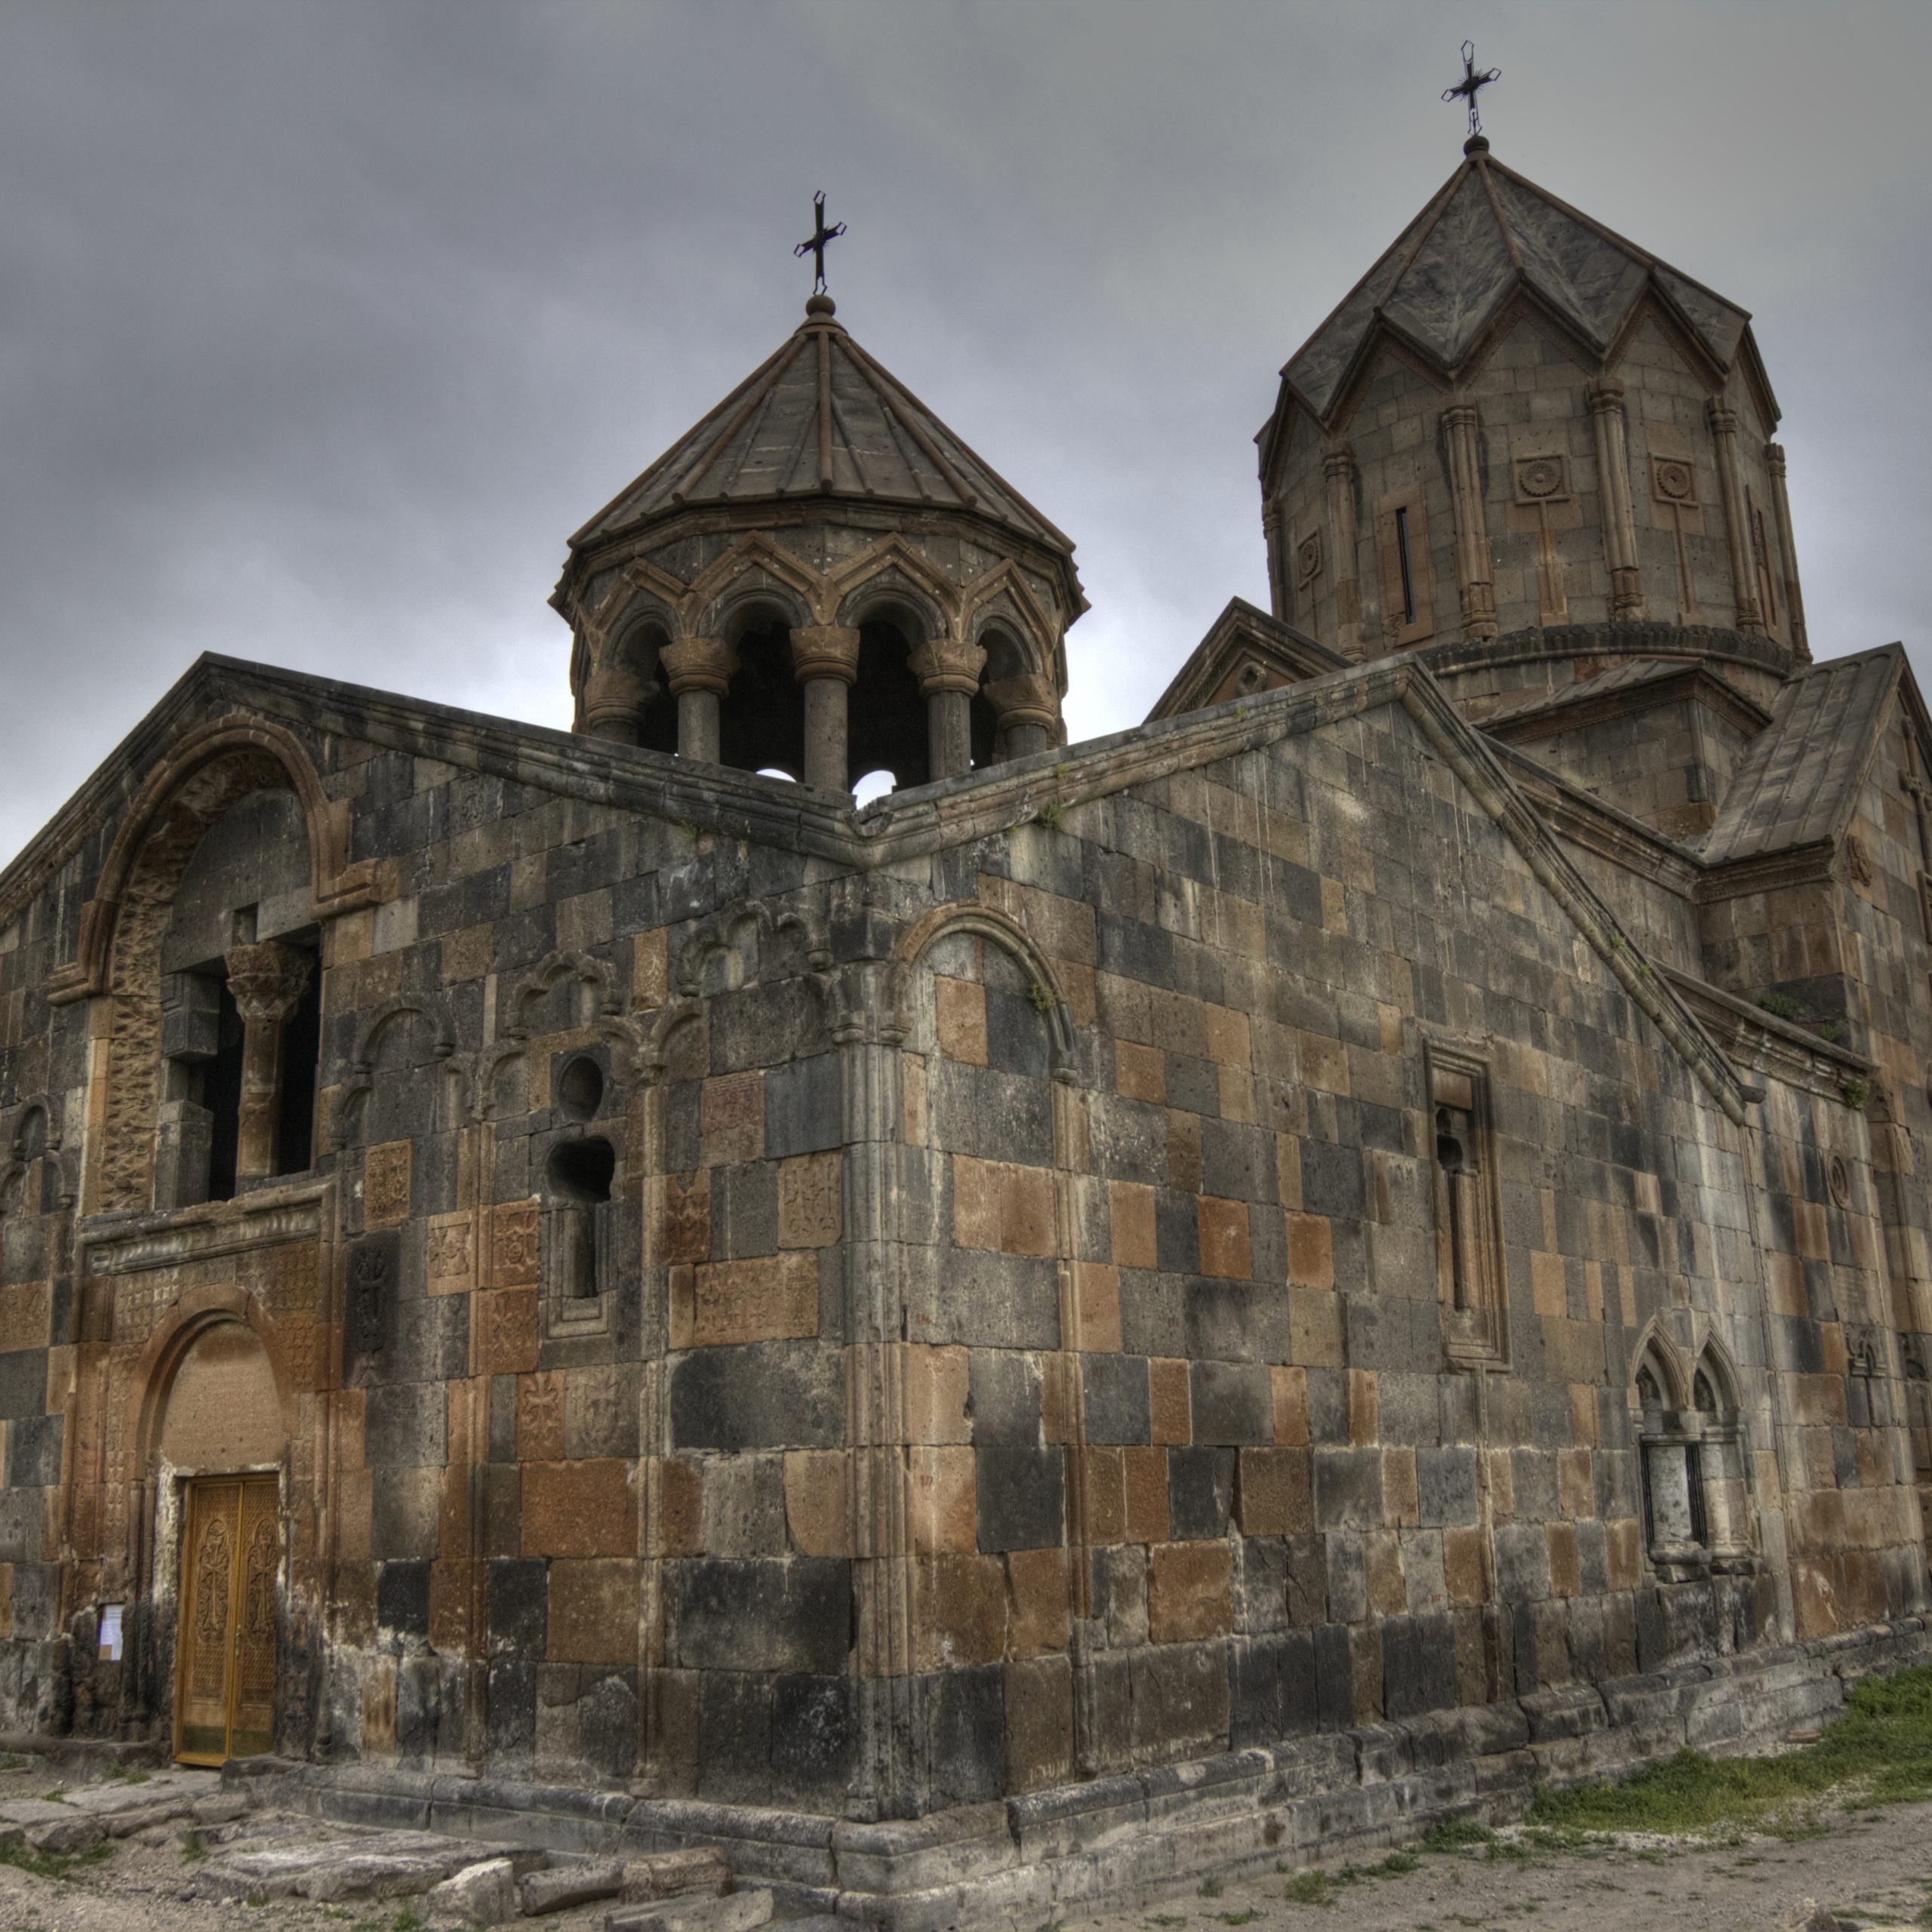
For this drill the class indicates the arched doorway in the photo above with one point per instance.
(218, 1454)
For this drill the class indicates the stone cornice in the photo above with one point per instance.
(1759, 1042)
(269, 1217)
(1580, 707)
(1688, 641)
(1586, 821)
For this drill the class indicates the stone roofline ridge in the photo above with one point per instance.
(915, 823)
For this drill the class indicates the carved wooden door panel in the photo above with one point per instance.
(225, 1663)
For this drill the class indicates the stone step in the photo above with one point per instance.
(737, 1912)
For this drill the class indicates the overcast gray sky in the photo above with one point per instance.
(323, 325)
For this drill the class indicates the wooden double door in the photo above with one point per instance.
(231, 1559)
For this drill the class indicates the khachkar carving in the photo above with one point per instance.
(266, 980)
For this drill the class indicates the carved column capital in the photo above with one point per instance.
(1338, 462)
(1722, 418)
(265, 980)
(948, 664)
(1606, 393)
(1029, 699)
(1462, 416)
(615, 697)
(825, 650)
(1774, 458)
(699, 664)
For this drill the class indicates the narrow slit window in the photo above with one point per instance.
(1407, 566)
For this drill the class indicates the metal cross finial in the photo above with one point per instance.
(1465, 89)
(814, 245)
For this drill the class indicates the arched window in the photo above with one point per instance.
(1721, 1465)
(761, 724)
(886, 730)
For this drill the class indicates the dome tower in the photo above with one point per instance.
(1527, 444)
(821, 580)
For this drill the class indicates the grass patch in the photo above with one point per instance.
(53, 1864)
(1211, 1888)
(192, 1849)
(1451, 1834)
(1879, 1752)
(1311, 1888)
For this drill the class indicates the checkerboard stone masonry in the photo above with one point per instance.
(1285, 1227)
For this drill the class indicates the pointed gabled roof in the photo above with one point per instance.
(1488, 232)
(820, 417)
(1798, 781)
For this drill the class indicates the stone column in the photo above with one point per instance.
(825, 660)
(1028, 712)
(698, 670)
(614, 698)
(1339, 467)
(948, 669)
(1724, 429)
(266, 980)
(1277, 564)
(1794, 598)
(1473, 574)
(1620, 523)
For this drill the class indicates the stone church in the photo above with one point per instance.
(1126, 1304)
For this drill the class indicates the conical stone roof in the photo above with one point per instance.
(1488, 232)
(821, 418)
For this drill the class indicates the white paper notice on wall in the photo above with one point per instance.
(110, 1633)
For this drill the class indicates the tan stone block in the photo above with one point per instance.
(1323, 1062)
(811, 1203)
(963, 1599)
(1229, 1043)
(651, 979)
(583, 1509)
(767, 1298)
(1130, 1209)
(1463, 1566)
(1575, 1487)
(941, 1500)
(938, 1387)
(1549, 1285)
(385, 1184)
(1140, 1073)
(1169, 1402)
(1190, 1591)
(1221, 1227)
(818, 1502)
(1389, 1019)
(1784, 1285)
(1314, 1327)
(1289, 1387)
(1583, 1414)
(1059, 1397)
(514, 1258)
(1037, 1611)
(1564, 1575)
(1148, 1519)
(1103, 1481)
(681, 1509)
(1311, 1251)
(912, 1097)
(1382, 1562)
(959, 1015)
(25, 1316)
(731, 1119)
(503, 1331)
(1096, 1292)
(593, 1614)
(976, 1202)
(1273, 1494)
(687, 1217)
(1039, 1724)
(539, 1416)
(449, 1254)
(1027, 1219)
(1288, 1170)
(1364, 1406)
(1399, 1503)
(378, 1707)
(355, 1500)
(1184, 1164)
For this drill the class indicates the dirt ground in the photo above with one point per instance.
(1868, 1869)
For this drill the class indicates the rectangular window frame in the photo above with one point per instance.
(1469, 1222)
(1406, 574)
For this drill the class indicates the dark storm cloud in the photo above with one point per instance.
(322, 326)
